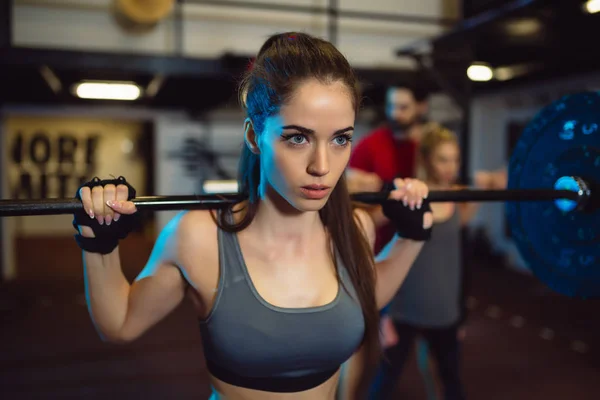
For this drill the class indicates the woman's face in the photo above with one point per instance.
(305, 148)
(444, 163)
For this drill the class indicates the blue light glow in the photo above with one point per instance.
(566, 183)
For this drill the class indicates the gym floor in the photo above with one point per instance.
(523, 342)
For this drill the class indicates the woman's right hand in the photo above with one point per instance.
(491, 180)
(483, 180)
(106, 204)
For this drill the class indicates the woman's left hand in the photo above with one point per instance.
(410, 191)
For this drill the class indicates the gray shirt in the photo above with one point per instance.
(251, 343)
(430, 295)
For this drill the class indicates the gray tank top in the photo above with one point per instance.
(251, 343)
(430, 294)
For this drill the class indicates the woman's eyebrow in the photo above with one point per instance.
(308, 131)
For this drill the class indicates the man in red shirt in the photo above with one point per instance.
(390, 150)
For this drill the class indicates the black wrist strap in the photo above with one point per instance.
(408, 223)
(106, 236)
(95, 245)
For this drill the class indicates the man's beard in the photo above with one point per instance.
(401, 129)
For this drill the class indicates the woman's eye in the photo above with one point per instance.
(295, 140)
(342, 140)
(298, 139)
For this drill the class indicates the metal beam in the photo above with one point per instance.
(179, 31)
(333, 16)
(69, 60)
(5, 42)
(84, 60)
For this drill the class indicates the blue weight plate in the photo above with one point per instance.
(561, 248)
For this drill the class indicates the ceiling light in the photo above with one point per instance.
(592, 6)
(508, 72)
(102, 90)
(523, 26)
(503, 73)
(480, 72)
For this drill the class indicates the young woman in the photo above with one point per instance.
(285, 284)
(428, 304)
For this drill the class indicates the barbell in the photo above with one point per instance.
(552, 198)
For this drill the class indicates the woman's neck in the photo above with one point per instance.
(276, 220)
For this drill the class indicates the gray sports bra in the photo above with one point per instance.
(250, 343)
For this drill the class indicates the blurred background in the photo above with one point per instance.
(147, 89)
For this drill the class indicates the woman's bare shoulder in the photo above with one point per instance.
(197, 227)
(197, 251)
(366, 224)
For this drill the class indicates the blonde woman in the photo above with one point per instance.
(428, 304)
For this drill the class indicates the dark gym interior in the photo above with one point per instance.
(523, 339)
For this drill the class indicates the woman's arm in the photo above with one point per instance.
(392, 263)
(466, 210)
(122, 311)
(392, 266)
(484, 180)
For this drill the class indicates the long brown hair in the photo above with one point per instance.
(283, 63)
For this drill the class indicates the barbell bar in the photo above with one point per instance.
(13, 208)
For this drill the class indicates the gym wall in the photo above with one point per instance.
(209, 31)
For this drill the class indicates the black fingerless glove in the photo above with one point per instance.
(107, 236)
(408, 223)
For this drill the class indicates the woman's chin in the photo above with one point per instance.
(310, 205)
